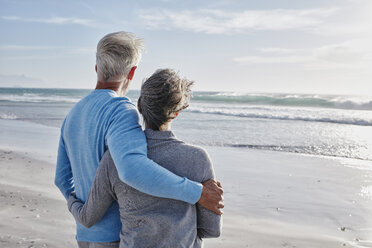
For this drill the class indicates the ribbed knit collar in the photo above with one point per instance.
(99, 91)
(152, 134)
(110, 92)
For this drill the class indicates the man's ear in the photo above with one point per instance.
(95, 68)
(131, 73)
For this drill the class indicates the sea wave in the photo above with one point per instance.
(302, 100)
(250, 99)
(38, 98)
(287, 115)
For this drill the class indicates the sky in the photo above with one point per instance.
(275, 46)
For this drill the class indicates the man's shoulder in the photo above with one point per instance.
(106, 99)
(123, 110)
(107, 103)
(123, 102)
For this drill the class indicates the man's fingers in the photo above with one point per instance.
(218, 198)
(219, 184)
(213, 185)
(212, 196)
(220, 190)
(218, 211)
(210, 182)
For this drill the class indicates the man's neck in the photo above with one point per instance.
(115, 86)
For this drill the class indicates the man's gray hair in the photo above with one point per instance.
(163, 94)
(117, 53)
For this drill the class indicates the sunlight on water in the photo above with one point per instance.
(366, 192)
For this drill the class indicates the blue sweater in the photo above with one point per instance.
(100, 121)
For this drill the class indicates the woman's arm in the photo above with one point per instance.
(209, 224)
(100, 197)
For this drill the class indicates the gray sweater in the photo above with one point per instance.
(149, 221)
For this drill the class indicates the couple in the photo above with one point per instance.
(141, 189)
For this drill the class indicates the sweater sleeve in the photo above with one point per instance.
(127, 144)
(209, 224)
(100, 197)
(63, 176)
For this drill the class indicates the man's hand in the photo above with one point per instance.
(211, 196)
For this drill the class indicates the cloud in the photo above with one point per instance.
(276, 50)
(222, 22)
(352, 19)
(272, 59)
(346, 52)
(61, 49)
(32, 57)
(349, 54)
(52, 20)
(26, 48)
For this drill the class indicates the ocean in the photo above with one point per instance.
(326, 125)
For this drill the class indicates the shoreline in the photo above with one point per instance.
(42, 142)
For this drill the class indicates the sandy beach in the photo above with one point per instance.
(33, 212)
(273, 199)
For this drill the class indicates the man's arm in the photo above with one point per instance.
(63, 177)
(128, 147)
(100, 197)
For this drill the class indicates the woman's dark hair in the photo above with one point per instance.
(163, 94)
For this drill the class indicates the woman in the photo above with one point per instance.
(149, 221)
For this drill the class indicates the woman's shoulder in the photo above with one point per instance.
(197, 152)
(197, 160)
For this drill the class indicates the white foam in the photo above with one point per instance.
(29, 97)
(8, 116)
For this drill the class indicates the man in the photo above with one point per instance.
(105, 119)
